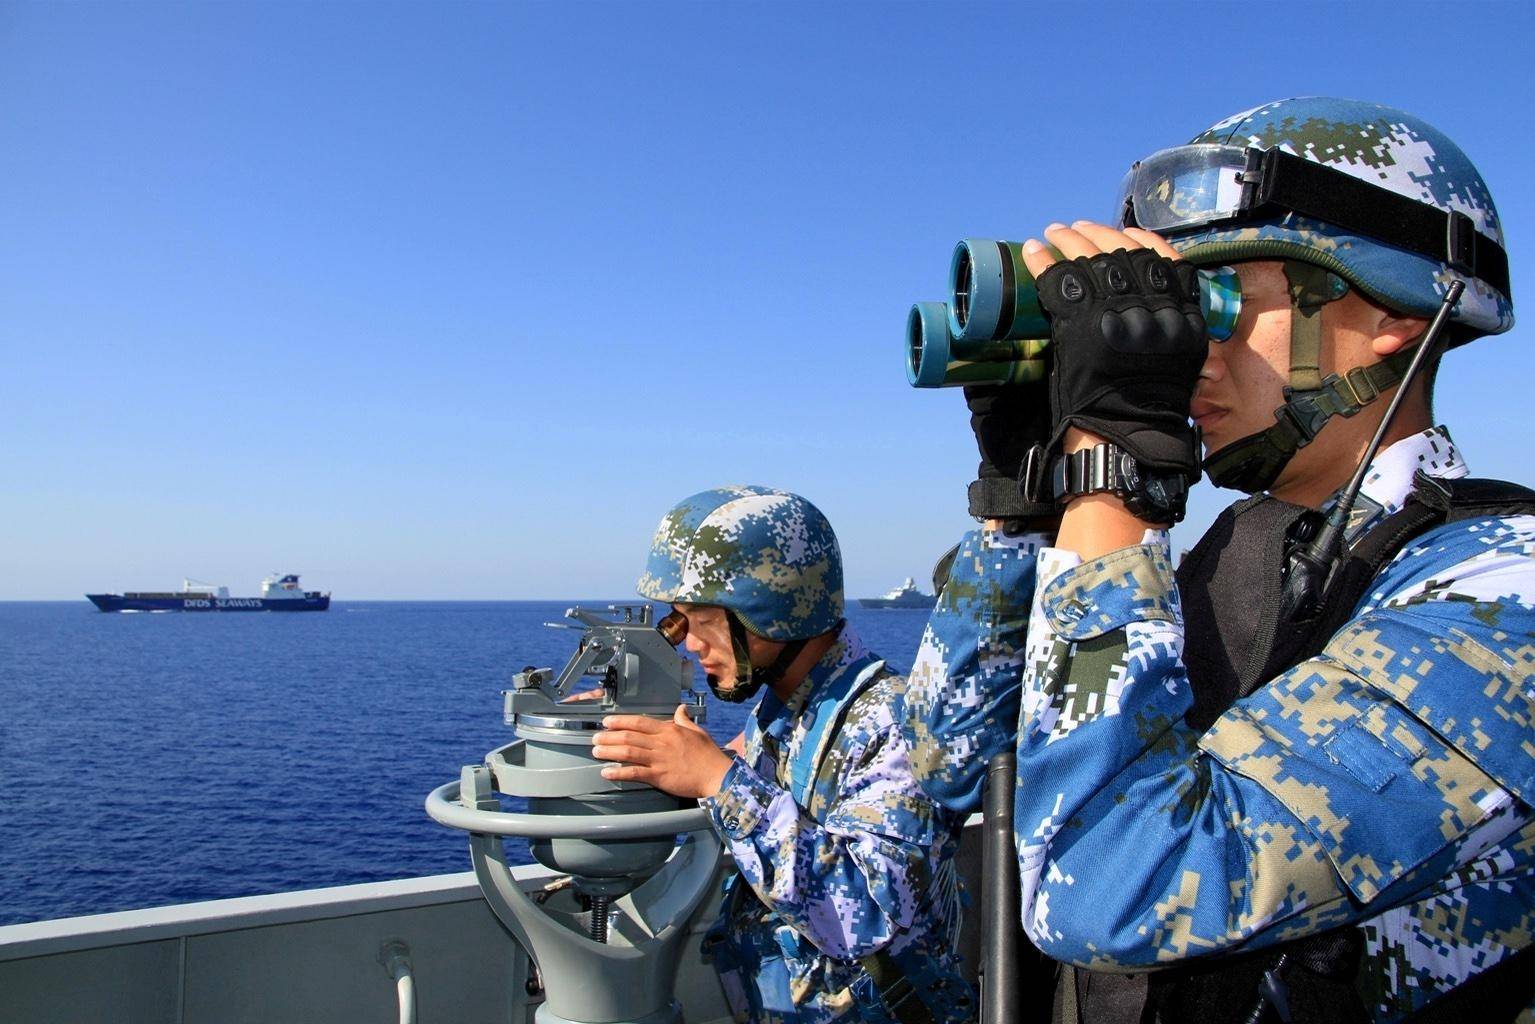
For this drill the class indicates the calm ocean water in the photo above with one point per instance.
(156, 759)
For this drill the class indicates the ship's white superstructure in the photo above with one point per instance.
(281, 587)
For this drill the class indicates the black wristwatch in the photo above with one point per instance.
(1107, 467)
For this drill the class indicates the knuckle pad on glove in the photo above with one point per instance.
(1072, 289)
(1129, 341)
(1188, 281)
(1195, 325)
(1171, 325)
(1065, 284)
(1138, 331)
(1112, 326)
(1114, 279)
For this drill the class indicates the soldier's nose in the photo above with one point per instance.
(1214, 367)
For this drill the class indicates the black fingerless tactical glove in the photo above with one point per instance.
(1007, 420)
(1128, 340)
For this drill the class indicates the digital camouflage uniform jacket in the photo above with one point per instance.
(1386, 782)
(866, 866)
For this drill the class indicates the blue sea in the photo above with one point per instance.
(150, 759)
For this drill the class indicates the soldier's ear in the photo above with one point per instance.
(1394, 333)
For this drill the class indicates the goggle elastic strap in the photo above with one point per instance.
(1276, 181)
(1200, 186)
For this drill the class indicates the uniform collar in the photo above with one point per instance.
(846, 650)
(1389, 479)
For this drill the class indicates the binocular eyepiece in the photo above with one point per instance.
(673, 627)
(993, 329)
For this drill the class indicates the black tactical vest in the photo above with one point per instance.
(1234, 642)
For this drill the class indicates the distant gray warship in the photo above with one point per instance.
(905, 596)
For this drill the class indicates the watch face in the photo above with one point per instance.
(1156, 490)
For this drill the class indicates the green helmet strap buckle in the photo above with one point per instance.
(1305, 412)
(1253, 463)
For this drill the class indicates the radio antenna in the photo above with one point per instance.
(1312, 564)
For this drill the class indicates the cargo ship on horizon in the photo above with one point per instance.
(278, 594)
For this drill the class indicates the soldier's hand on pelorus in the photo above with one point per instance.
(676, 757)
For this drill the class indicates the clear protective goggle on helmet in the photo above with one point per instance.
(1183, 187)
(1188, 187)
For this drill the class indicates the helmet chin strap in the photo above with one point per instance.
(1254, 462)
(749, 678)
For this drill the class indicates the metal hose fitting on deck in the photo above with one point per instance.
(395, 956)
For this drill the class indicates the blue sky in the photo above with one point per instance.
(454, 300)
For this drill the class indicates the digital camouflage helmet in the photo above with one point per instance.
(1347, 194)
(768, 557)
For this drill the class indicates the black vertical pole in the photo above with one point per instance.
(1002, 934)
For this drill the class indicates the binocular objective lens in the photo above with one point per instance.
(914, 343)
(961, 297)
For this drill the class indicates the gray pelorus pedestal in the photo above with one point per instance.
(607, 936)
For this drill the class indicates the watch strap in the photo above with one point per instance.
(1103, 467)
(1001, 498)
(1108, 468)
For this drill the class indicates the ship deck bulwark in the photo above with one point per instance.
(314, 956)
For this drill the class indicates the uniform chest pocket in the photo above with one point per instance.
(1380, 791)
(1397, 795)
(1377, 746)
